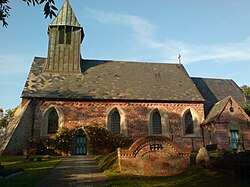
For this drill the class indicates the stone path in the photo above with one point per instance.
(75, 171)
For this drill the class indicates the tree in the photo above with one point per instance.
(49, 8)
(246, 90)
(6, 117)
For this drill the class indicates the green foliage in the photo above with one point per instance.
(102, 141)
(247, 109)
(246, 90)
(239, 163)
(7, 117)
(4, 11)
(49, 8)
(61, 142)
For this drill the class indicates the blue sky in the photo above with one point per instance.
(212, 36)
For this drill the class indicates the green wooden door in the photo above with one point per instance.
(81, 145)
(234, 139)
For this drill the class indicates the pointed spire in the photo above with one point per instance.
(66, 16)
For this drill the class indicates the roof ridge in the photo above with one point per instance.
(211, 78)
(127, 61)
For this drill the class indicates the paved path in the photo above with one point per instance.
(75, 171)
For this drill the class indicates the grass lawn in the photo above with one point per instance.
(193, 176)
(33, 171)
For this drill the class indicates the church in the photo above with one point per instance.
(134, 99)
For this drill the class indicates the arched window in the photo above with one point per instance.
(115, 122)
(52, 122)
(156, 123)
(189, 124)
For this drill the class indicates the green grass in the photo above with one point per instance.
(193, 176)
(33, 171)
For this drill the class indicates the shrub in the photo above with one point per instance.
(239, 163)
(103, 142)
(61, 142)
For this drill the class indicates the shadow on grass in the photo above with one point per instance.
(33, 171)
(194, 176)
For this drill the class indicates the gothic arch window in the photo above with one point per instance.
(156, 123)
(115, 122)
(52, 122)
(189, 123)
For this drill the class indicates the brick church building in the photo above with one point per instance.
(135, 99)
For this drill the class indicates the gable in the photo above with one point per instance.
(113, 80)
(225, 111)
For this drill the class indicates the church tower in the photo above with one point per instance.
(65, 37)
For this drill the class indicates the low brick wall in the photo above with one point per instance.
(154, 156)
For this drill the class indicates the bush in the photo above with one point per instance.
(101, 141)
(239, 163)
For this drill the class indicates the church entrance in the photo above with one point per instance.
(81, 145)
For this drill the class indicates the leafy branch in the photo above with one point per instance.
(49, 9)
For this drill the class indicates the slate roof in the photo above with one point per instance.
(66, 16)
(214, 90)
(113, 80)
(216, 110)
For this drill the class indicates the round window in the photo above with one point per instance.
(231, 109)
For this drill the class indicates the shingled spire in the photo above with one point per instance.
(65, 38)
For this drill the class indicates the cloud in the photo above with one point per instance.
(14, 64)
(139, 25)
(167, 50)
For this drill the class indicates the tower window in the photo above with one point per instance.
(68, 35)
(61, 35)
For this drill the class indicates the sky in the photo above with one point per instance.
(213, 37)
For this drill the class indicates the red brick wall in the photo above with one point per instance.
(222, 126)
(95, 113)
(153, 156)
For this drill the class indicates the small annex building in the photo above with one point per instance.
(134, 99)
